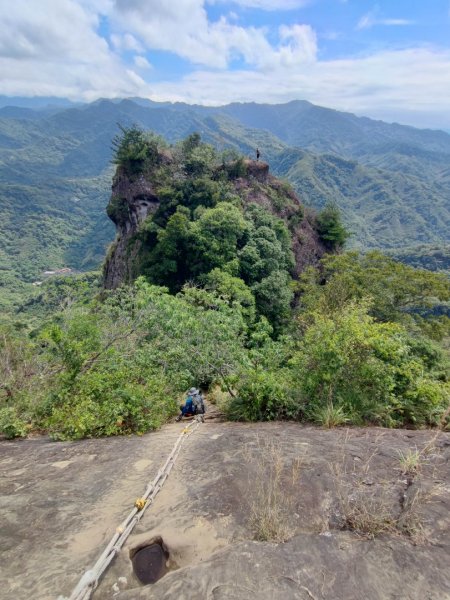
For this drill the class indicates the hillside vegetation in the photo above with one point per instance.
(217, 302)
(390, 182)
(426, 256)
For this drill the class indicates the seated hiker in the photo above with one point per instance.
(193, 405)
(198, 402)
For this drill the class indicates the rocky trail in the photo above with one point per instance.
(365, 513)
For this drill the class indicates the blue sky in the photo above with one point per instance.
(384, 59)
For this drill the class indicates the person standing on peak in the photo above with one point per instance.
(258, 154)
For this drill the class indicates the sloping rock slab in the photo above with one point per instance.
(310, 567)
(61, 502)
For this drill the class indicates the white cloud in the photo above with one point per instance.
(183, 27)
(52, 48)
(141, 62)
(268, 4)
(126, 42)
(300, 44)
(370, 20)
(409, 86)
(28, 32)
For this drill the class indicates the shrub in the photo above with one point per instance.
(11, 425)
(118, 210)
(330, 416)
(350, 362)
(134, 150)
(261, 396)
(236, 168)
(330, 227)
(110, 403)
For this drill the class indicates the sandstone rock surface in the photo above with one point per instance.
(61, 502)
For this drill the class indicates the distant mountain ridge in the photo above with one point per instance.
(392, 182)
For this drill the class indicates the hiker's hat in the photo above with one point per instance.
(193, 390)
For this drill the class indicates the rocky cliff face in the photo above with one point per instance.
(133, 199)
(306, 243)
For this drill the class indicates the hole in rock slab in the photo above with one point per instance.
(150, 561)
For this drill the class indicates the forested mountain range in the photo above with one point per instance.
(391, 182)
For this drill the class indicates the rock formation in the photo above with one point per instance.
(135, 198)
(132, 200)
(62, 502)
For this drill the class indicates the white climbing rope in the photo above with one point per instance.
(89, 581)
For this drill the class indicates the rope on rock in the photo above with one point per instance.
(89, 581)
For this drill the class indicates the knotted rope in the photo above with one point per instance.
(89, 581)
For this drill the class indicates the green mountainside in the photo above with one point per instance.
(425, 256)
(234, 286)
(392, 183)
(302, 124)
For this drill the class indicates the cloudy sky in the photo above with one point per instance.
(388, 59)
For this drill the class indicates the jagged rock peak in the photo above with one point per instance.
(257, 169)
(138, 195)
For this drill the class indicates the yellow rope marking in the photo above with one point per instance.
(89, 581)
(140, 503)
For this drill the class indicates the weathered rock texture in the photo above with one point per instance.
(134, 199)
(259, 187)
(61, 502)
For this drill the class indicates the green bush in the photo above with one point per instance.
(118, 210)
(261, 396)
(331, 228)
(11, 425)
(237, 168)
(367, 369)
(110, 403)
(329, 416)
(135, 150)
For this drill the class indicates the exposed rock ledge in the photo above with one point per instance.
(61, 502)
(136, 199)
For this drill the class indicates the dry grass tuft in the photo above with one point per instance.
(410, 461)
(362, 508)
(372, 508)
(270, 505)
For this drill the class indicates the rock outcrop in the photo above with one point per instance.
(259, 170)
(306, 243)
(134, 198)
(62, 503)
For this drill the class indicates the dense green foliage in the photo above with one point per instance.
(364, 342)
(425, 256)
(205, 232)
(390, 182)
(400, 293)
(117, 365)
(370, 371)
(136, 150)
(331, 228)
